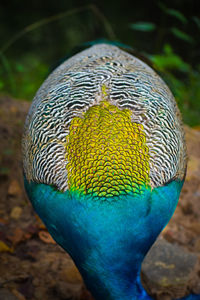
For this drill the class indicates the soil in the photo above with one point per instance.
(32, 265)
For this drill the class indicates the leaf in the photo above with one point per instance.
(16, 212)
(5, 248)
(177, 14)
(40, 223)
(173, 12)
(143, 26)
(169, 60)
(167, 49)
(181, 35)
(18, 295)
(46, 237)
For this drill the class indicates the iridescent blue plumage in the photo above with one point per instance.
(104, 163)
(107, 240)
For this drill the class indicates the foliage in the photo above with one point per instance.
(183, 81)
(169, 37)
(181, 35)
(22, 76)
(143, 26)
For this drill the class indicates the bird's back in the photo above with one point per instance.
(104, 77)
(104, 163)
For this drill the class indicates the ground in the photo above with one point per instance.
(33, 267)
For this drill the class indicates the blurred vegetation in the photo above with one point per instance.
(36, 36)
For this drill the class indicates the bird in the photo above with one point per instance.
(104, 161)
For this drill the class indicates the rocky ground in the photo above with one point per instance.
(33, 267)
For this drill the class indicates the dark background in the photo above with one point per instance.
(36, 35)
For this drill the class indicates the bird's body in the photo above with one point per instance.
(104, 164)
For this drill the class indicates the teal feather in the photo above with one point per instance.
(107, 241)
(107, 237)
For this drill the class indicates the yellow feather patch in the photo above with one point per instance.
(107, 153)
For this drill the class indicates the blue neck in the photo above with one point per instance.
(108, 240)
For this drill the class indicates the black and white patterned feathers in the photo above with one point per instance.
(75, 86)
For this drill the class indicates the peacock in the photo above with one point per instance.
(104, 161)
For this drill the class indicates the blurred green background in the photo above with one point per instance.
(35, 36)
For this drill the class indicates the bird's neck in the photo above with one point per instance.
(108, 240)
(118, 282)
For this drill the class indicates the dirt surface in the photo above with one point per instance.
(32, 266)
